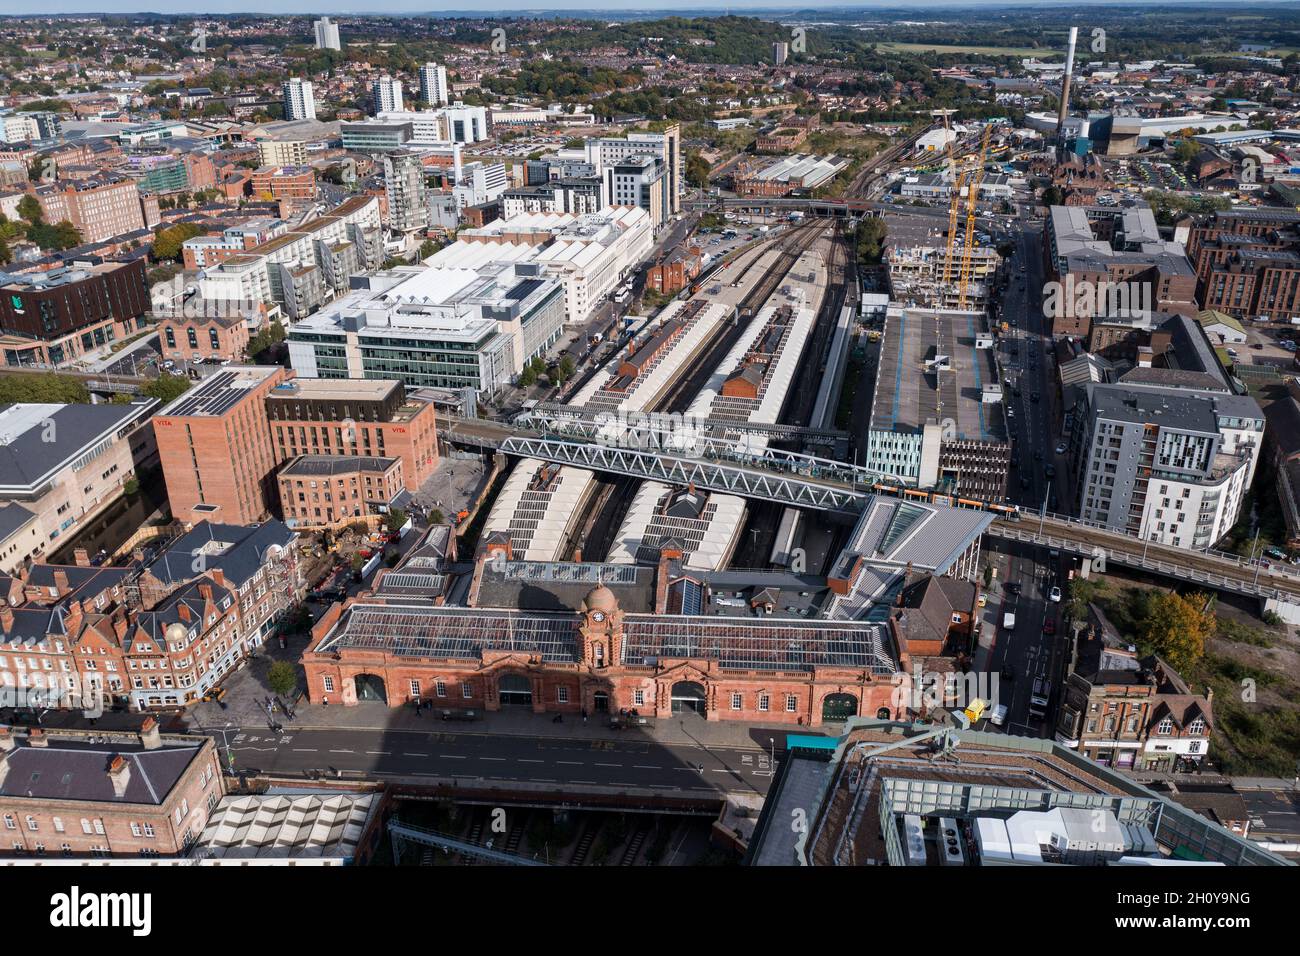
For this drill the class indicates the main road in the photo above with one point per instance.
(453, 751)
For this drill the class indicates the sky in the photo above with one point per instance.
(480, 7)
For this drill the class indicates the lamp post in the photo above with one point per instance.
(230, 758)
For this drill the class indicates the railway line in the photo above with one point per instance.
(612, 500)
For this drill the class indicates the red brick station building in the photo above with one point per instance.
(560, 637)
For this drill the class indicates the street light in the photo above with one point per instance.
(772, 743)
(230, 758)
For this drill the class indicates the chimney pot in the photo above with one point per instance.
(150, 738)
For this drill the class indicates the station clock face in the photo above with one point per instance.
(598, 616)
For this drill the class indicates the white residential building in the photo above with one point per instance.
(479, 183)
(433, 84)
(327, 34)
(386, 95)
(299, 103)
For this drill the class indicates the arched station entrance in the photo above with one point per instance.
(687, 695)
(515, 690)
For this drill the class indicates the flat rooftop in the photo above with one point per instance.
(217, 395)
(352, 389)
(914, 385)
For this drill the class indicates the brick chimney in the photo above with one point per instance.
(183, 610)
(218, 577)
(81, 557)
(36, 738)
(119, 771)
(150, 738)
(6, 617)
(7, 741)
(61, 581)
(206, 591)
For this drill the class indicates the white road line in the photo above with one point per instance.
(452, 757)
(608, 765)
(646, 766)
(498, 759)
(529, 760)
(379, 753)
(571, 763)
(303, 750)
(409, 754)
(342, 751)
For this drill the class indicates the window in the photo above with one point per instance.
(415, 688)
(763, 701)
(1196, 727)
(791, 702)
(440, 688)
(58, 824)
(99, 826)
(329, 684)
(1165, 727)
(465, 690)
(31, 824)
(638, 698)
(735, 702)
(135, 829)
(562, 694)
(148, 830)
(9, 823)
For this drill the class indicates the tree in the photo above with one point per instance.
(29, 207)
(167, 388)
(697, 170)
(282, 678)
(567, 367)
(428, 248)
(869, 237)
(48, 388)
(1082, 592)
(528, 377)
(167, 242)
(396, 518)
(1052, 196)
(1176, 628)
(6, 255)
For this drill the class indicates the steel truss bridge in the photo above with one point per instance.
(403, 833)
(766, 485)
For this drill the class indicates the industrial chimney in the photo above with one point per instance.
(1065, 87)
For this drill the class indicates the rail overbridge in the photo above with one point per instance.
(797, 480)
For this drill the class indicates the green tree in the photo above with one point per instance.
(869, 238)
(282, 678)
(396, 518)
(1052, 196)
(528, 377)
(29, 207)
(428, 248)
(1176, 628)
(6, 254)
(567, 367)
(697, 170)
(48, 387)
(167, 388)
(167, 242)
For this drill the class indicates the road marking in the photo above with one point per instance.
(452, 757)
(409, 754)
(571, 763)
(530, 760)
(542, 779)
(342, 751)
(609, 765)
(498, 759)
(592, 782)
(303, 750)
(379, 753)
(646, 766)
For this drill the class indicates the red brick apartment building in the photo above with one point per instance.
(195, 338)
(355, 418)
(282, 183)
(324, 490)
(215, 446)
(675, 273)
(99, 208)
(66, 793)
(221, 443)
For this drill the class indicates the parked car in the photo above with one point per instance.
(1054, 594)
(1060, 448)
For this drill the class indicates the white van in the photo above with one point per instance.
(998, 716)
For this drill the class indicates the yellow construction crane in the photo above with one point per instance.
(955, 177)
(972, 189)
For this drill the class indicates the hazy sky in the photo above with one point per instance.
(18, 7)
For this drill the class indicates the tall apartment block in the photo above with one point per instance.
(666, 144)
(327, 34)
(215, 446)
(1168, 465)
(408, 209)
(299, 103)
(386, 95)
(433, 84)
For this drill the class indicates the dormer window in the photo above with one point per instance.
(1165, 727)
(1196, 727)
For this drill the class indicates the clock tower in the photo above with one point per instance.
(602, 628)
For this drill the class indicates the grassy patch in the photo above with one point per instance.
(1239, 633)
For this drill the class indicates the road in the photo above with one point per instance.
(1027, 649)
(635, 762)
